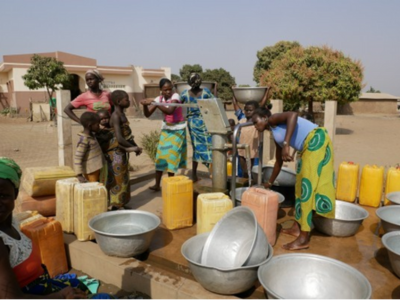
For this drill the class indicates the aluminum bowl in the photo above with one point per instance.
(182, 86)
(347, 221)
(234, 240)
(286, 177)
(124, 233)
(394, 197)
(245, 94)
(391, 241)
(390, 217)
(311, 276)
(217, 280)
(240, 191)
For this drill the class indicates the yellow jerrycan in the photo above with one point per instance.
(392, 182)
(371, 185)
(177, 195)
(211, 207)
(347, 181)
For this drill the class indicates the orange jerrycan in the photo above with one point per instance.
(177, 195)
(392, 182)
(347, 181)
(211, 207)
(90, 200)
(371, 185)
(47, 234)
(265, 205)
(65, 203)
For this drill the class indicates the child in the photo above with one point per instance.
(88, 156)
(171, 149)
(121, 143)
(248, 135)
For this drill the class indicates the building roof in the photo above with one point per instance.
(378, 96)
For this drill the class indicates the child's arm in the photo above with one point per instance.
(148, 109)
(264, 99)
(234, 101)
(81, 150)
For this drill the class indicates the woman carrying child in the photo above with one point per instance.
(248, 135)
(94, 99)
(120, 144)
(172, 147)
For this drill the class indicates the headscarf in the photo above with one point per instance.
(10, 170)
(96, 73)
(194, 80)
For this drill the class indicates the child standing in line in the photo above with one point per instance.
(121, 143)
(89, 159)
(172, 147)
(248, 135)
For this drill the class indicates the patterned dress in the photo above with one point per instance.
(201, 139)
(315, 187)
(118, 170)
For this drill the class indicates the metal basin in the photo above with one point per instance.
(394, 197)
(235, 240)
(124, 233)
(216, 280)
(245, 94)
(347, 221)
(310, 276)
(240, 191)
(390, 217)
(287, 177)
(391, 241)
(181, 86)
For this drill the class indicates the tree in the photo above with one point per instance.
(187, 69)
(224, 79)
(46, 72)
(175, 78)
(303, 75)
(267, 55)
(372, 90)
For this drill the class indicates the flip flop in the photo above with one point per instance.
(155, 189)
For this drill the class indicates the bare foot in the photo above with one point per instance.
(195, 178)
(294, 230)
(155, 188)
(302, 242)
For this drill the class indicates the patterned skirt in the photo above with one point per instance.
(118, 177)
(171, 150)
(315, 179)
(201, 140)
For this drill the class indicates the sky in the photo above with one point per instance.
(212, 33)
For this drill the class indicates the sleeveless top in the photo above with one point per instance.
(24, 257)
(302, 129)
(177, 115)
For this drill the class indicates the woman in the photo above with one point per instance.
(21, 272)
(315, 189)
(201, 139)
(94, 99)
(172, 148)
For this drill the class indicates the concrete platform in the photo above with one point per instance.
(162, 272)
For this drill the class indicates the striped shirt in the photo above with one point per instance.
(88, 155)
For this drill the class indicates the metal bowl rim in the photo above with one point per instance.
(268, 258)
(250, 88)
(254, 169)
(236, 210)
(313, 256)
(380, 209)
(345, 203)
(388, 235)
(123, 212)
(388, 194)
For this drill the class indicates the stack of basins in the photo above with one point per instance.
(226, 260)
(390, 220)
